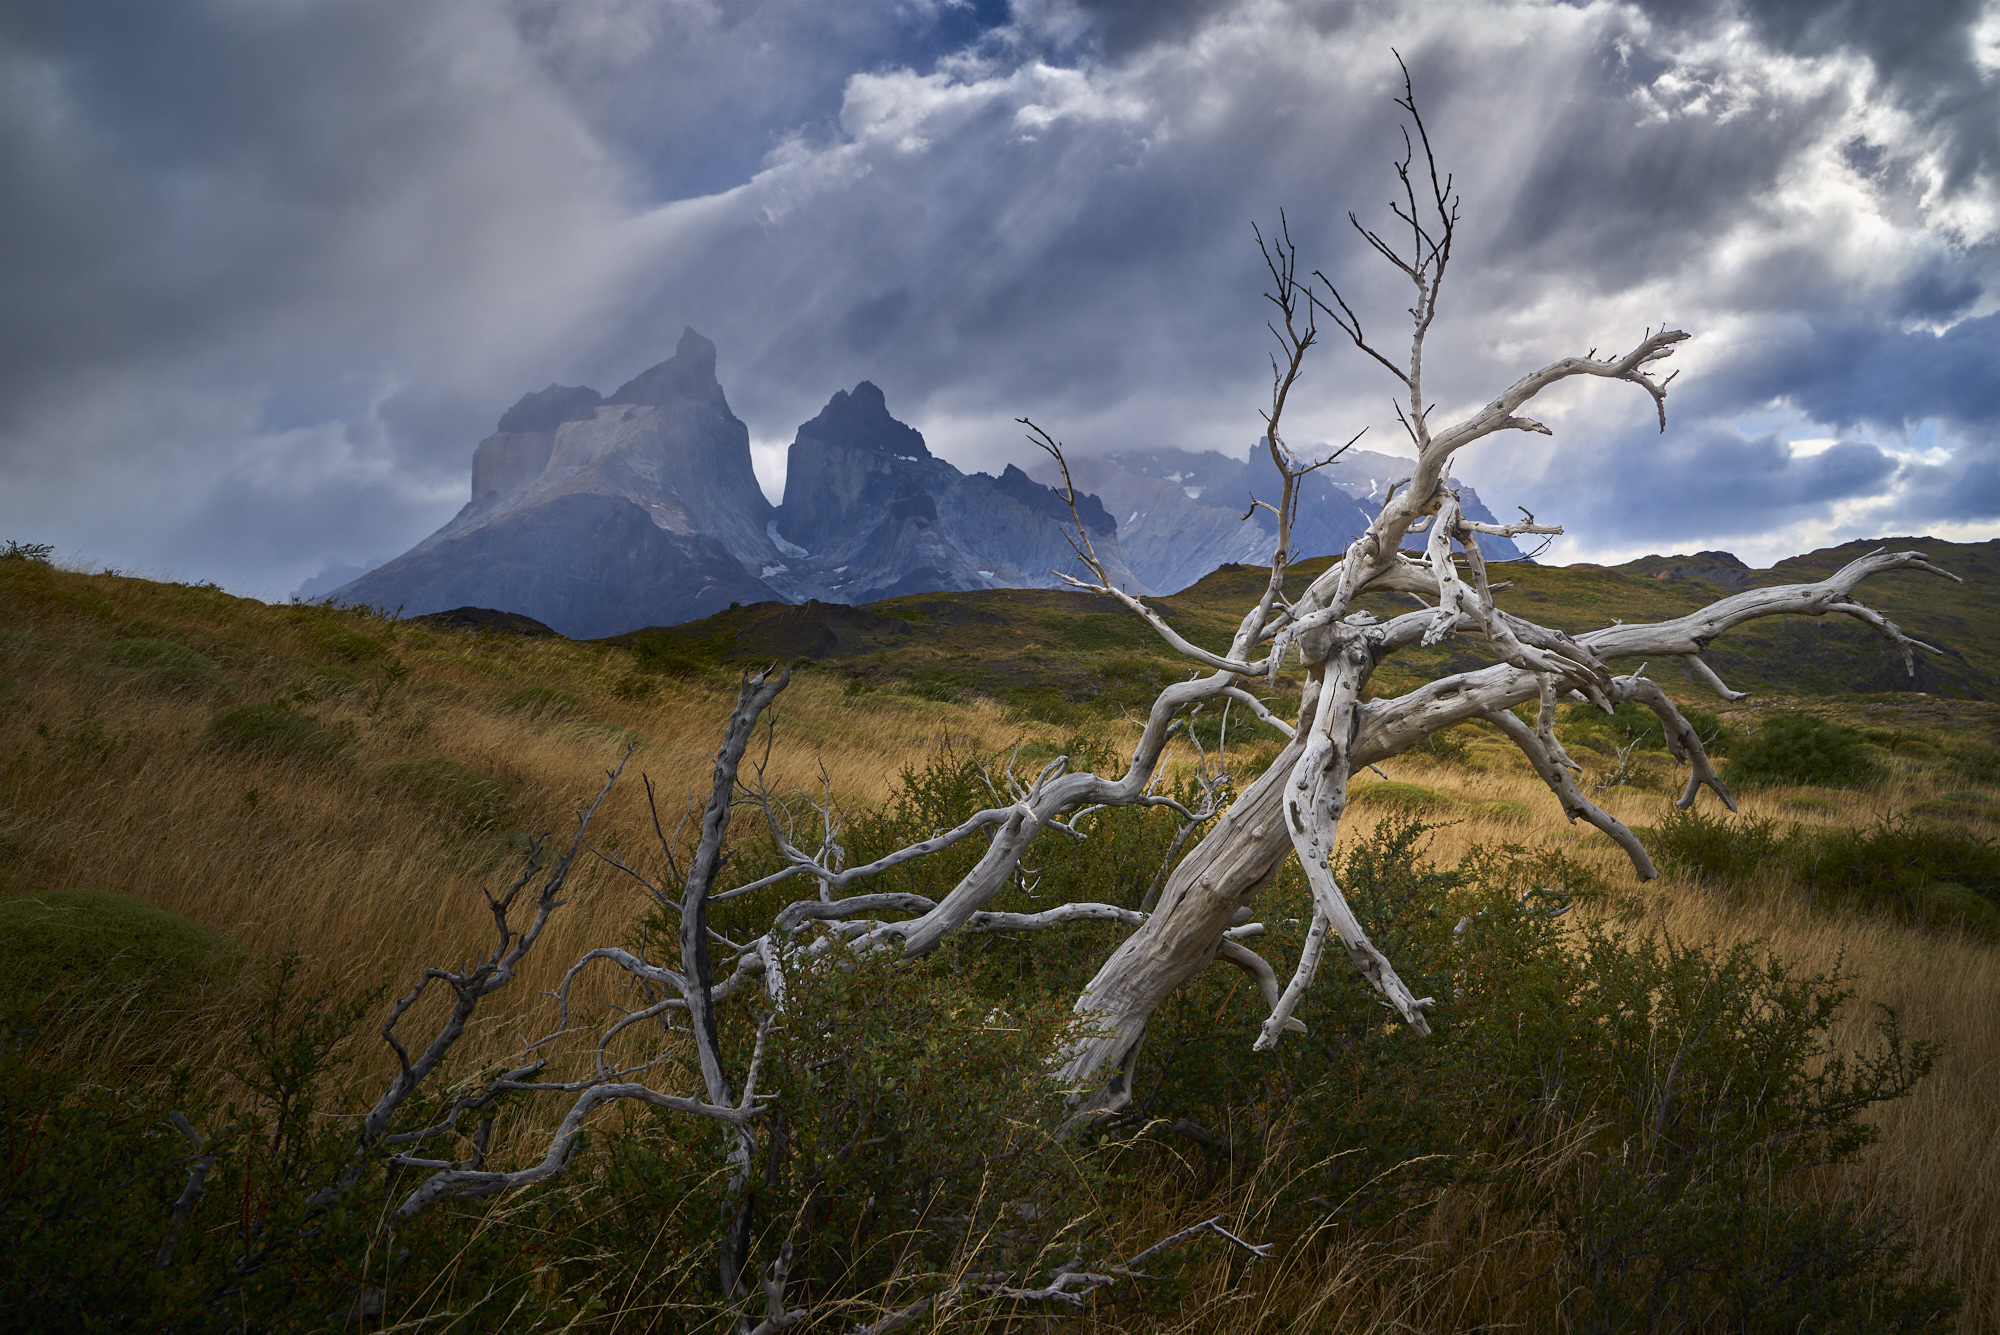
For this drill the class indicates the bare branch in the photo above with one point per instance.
(1062, 913)
(1683, 742)
(1574, 803)
(1709, 679)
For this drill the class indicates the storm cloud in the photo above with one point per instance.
(274, 269)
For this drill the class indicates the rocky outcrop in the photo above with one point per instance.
(598, 515)
(1180, 514)
(1719, 568)
(869, 512)
(585, 564)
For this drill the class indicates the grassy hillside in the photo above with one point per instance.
(1042, 648)
(235, 779)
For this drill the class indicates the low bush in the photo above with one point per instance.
(169, 668)
(1397, 796)
(273, 731)
(1722, 850)
(1921, 871)
(1628, 725)
(1803, 749)
(1646, 1115)
(1037, 704)
(669, 656)
(110, 952)
(543, 702)
(1660, 1106)
(1718, 738)
(187, 1206)
(1450, 745)
(458, 795)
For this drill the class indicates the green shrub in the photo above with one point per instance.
(1803, 749)
(1718, 849)
(670, 656)
(1718, 738)
(89, 1188)
(1952, 905)
(273, 731)
(1447, 744)
(349, 646)
(1654, 1108)
(1628, 725)
(1896, 865)
(543, 702)
(1700, 1084)
(169, 668)
(92, 949)
(1981, 764)
(458, 795)
(1397, 796)
(1043, 704)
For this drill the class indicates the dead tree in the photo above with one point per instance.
(1204, 908)
(1294, 808)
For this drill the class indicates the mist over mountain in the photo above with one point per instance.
(1180, 513)
(598, 515)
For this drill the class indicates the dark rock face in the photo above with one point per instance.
(1048, 502)
(595, 517)
(688, 374)
(586, 565)
(484, 618)
(1721, 568)
(547, 409)
(870, 513)
(1181, 514)
(860, 421)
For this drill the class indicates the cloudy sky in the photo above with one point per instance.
(271, 270)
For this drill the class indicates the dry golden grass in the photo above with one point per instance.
(369, 887)
(328, 859)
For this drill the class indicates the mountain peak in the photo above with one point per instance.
(859, 420)
(547, 409)
(688, 374)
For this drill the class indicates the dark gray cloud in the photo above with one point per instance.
(1124, 26)
(1710, 478)
(274, 269)
(1861, 373)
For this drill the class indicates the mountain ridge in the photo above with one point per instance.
(595, 514)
